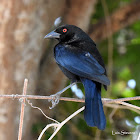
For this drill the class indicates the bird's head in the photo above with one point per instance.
(67, 34)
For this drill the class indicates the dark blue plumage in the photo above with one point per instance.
(94, 114)
(77, 56)
(80, 63)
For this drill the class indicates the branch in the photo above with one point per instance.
(60, 125)
(44, 130)
(105, 100)
(110, 44)
(117, 106)
(22, 110)
(121, 18)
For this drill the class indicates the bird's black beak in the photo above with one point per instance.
(53, 34)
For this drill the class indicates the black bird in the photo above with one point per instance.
(77, 56)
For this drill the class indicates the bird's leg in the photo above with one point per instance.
(55, 97)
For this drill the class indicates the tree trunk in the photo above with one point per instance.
(22, 28)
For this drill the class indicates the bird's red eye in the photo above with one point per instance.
(64, 30)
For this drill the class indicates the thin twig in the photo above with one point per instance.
(105, 100)
(122, 107)
(110, 44)
(44, 130)
(97, 134)
(130, 105)
(112, 114)
(65, 121)
(22, 110)
(110, 48)
(58, 126)
(28, 101)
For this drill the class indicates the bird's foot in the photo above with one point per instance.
(54, 99)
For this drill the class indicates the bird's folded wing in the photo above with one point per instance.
(82, 64)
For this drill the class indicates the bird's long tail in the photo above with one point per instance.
(94, 113)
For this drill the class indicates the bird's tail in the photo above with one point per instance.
(94, 113)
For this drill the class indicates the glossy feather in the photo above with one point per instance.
(80, 63)
(94, 114)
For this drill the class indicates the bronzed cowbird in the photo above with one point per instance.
(78, 57)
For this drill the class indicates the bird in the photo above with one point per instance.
(79, 59)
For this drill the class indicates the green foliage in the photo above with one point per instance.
(112, 6)
(128, 93)
(124, 74)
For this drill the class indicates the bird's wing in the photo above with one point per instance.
(81, 63)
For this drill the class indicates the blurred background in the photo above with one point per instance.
(113, 25)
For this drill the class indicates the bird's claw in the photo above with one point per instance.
(54, 100)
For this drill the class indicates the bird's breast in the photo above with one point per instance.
(60, 51)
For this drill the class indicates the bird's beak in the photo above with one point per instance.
(52, 34)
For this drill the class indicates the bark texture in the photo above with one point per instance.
(22, 27)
